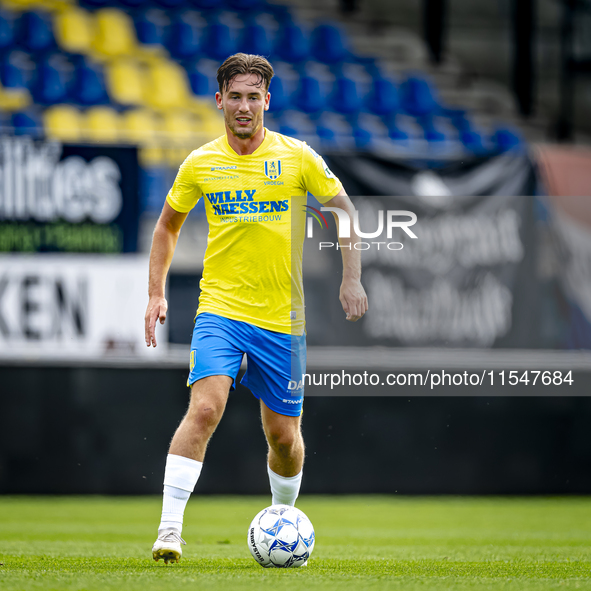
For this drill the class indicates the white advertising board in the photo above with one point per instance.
(74, 307)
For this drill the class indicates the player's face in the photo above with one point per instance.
(243, 104)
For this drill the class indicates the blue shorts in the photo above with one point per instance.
(276, 362)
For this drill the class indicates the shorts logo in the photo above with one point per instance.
(192, 360)
(273, 168)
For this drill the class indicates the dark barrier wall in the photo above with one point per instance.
(82, 430)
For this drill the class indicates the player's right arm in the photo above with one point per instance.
(164, 242)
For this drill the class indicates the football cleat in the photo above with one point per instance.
(168, 546)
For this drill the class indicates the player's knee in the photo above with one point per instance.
(283, 441)
(207, 415)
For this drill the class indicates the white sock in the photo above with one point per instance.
(284, 489)
(180, 476)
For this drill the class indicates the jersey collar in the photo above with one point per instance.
(264, 145)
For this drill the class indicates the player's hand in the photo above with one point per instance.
(157, 308)
(353, 298)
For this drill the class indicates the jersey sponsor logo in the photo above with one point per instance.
(242, 201)
(273, 169)
(223, 168)
(329, 174)
(221, 178)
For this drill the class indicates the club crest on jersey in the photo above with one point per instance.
(273, 168)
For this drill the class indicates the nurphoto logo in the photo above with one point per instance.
(402, 219)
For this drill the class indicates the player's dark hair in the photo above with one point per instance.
(245, 63)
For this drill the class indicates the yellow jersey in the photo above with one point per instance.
(255, 205)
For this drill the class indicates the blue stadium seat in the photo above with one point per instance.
(96, 3)
(280, 99)
(396, 133)
(151, 27)
(363, 137)
(7, 31)
(417, 97)
(256, 40)
(136, 3)
(27, 123)
(170, 3)
(431, 132)
(383, 99)
(185, 37)
(294, 44)
(506, 139)
(328, 44)
(202, 83)
(207, 4)
(472, 141)
(89, 87)
(54, 76)
(220, 41)
(309, 98)
(244, 4)
(36, 32)
(18, 70)
(345, 98)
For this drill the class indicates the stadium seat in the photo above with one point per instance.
(139, 126)
(54, 78)
(345, 98)
(220, 42)
(115, 34)
(170, 3)
(244, 4)
(472, 141)
(293, 45)
(207, 4)
(202, 82)
(280, 99)
(63, 122)
(168, 86)
(14, 99)
(125, 81)
(328, 44)
(151, 27)
(417, 97)
(89, 86)
(383, 100)
(506, 139)
(102, 125)
(136, 3)
(256, 40)
(17, 70)
(7, 30)
(74, 30)
(309, 98)
(186, 36)
(36, 32)
(27, 123)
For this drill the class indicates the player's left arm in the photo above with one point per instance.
(352, 295)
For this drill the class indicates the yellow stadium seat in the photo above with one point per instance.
(139, 126)
(125, 79)
(74, 30)
(48, 5)
(14, 99)
(63, 122)
(178, 125)
(102, 125)
(115, 33)
(168, 86)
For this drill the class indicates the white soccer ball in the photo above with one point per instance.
(281, 536)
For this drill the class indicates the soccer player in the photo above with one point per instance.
(254, 183)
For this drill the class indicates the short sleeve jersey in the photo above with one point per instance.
(255, 205)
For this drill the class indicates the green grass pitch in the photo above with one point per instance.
(363, 542)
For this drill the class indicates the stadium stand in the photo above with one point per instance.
(144, 72)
